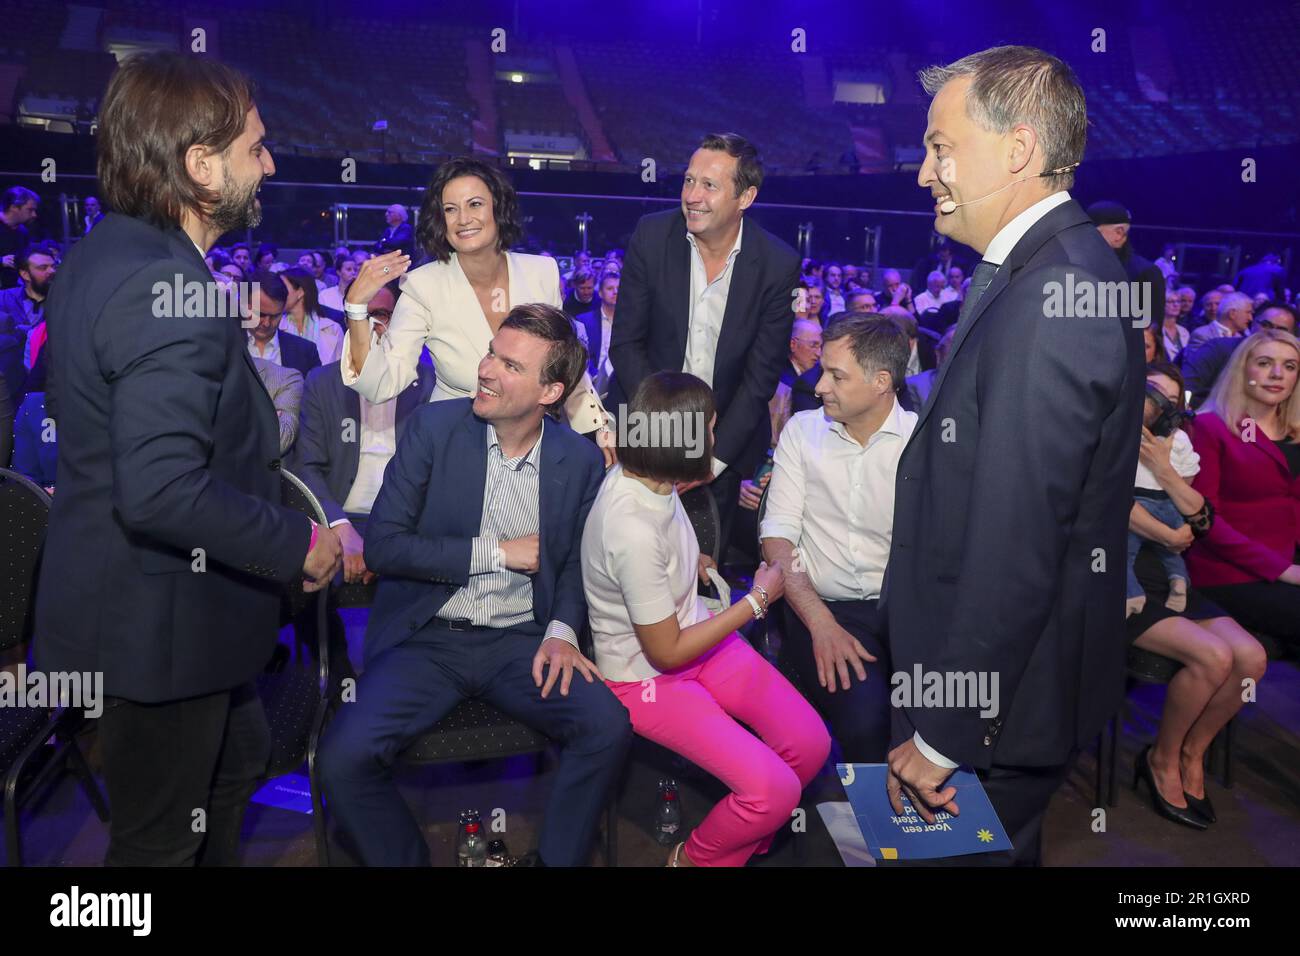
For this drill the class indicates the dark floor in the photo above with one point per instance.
(1259, 819)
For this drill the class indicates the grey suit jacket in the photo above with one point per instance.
(284, 385)
(328, 452)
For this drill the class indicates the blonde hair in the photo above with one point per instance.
(1228, 396)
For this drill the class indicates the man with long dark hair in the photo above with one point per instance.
(167, 547)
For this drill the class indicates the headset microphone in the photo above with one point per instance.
(948, 207)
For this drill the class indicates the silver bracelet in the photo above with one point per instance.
(763, 591)
(759, 612)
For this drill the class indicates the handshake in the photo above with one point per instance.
(337, 547)
(342, 547)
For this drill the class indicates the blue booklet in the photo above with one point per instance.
(976, 829)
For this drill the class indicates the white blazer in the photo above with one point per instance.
(438, 310)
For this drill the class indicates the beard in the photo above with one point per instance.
(238, 208)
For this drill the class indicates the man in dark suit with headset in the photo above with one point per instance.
(167, 548)
(1013, 495)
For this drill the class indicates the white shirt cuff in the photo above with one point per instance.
(932, 755)
(719, 466)
(563, 632)
(485, 555)
(335, 524)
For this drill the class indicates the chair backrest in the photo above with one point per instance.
(24, 517)
(296, 495)
(702, 510)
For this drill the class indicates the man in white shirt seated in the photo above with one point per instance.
(936, 292)
(829, 519)
(345, 442)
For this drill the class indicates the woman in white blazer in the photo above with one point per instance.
(454, 304)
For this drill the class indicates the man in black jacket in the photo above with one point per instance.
(1113, 222)
(167, 547)
(706, 294)
(1006, 569)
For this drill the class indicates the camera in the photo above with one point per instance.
(1163, 415)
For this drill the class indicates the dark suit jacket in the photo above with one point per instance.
(13, 315)
(1144, 270)
(753, 346)
(803, 388)
(1016, 484)
(321, 458)
(400, 238)
(595, 328)
(298, 353)
(1201, 365)
(167, 442)
(429, 511)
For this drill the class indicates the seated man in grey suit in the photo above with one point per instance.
(345, 441)
(284, 385)
(1232, 321)
(918, 386)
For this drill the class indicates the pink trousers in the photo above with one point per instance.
(694, 711)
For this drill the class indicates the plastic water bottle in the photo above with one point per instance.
(471, 844)
(668, 814)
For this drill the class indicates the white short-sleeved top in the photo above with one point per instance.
(640, 561)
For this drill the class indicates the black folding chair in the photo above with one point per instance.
(473, 731)
(296, 697)
(24, 731)
(1148, 667)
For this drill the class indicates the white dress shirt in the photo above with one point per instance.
(1002, 244)
(1173, 349)
(926, 301)
(604, 368)
(833, 499)
(378, 445)
(272, 353)
(708, 307)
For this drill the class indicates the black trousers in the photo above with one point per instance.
(1020, 796)
(726, 492)
(858, 717)
(164, 763)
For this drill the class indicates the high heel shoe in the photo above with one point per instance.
(1184, 815)
(1201, 806)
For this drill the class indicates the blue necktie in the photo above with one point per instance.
(979, 281)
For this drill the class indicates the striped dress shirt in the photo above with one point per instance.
(495, 595)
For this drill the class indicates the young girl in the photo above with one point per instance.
(687, 679)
